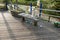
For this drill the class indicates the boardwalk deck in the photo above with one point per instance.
(12, 28)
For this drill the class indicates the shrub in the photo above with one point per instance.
(57, 24)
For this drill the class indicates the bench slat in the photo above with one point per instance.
(28, 16)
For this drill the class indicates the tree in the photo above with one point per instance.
(27, 0)
(51, 4)
(57, 7)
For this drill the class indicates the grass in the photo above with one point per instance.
(23, 2)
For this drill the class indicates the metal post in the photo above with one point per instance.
(31, 8)
(6, 5)
(40, 9)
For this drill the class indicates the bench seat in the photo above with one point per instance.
(29, 16)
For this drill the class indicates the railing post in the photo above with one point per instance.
(40, 9)
(31, 8)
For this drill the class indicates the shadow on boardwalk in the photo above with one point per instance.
(12, 36)
(46, 32)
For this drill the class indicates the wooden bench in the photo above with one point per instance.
(28, 16)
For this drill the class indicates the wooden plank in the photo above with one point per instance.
(54, 16)
(28, 16)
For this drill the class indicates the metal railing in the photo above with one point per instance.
(49, 16)
(51, 10)
(52, 16)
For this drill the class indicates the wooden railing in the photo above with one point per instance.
(58, 17)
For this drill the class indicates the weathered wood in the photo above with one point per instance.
(13, 29)
(28, 16)
(58, 17)
(54, 16)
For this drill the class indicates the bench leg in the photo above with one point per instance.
(49, 19)
(35, 23)
(23, 19)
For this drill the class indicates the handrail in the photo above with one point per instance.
(49, 10)
(54, 16)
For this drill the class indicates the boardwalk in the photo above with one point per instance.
(12, 28)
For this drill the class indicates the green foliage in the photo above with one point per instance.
(30, 0)
(25, 2)
(51, 4)
(6, 1)
(47, 4)
(1, 1)
(57, 24)
(57, 6)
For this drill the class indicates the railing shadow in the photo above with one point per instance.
(38, 31)
(11, 34)
(34, 29)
